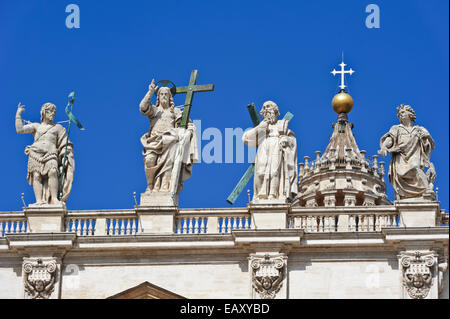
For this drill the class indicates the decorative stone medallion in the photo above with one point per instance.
(267, 275)
(39, 278)
(417, 274)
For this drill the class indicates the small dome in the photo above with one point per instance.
(342, 103)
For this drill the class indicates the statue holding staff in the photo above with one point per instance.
(46, 156)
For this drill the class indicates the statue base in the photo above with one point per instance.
(47, 218)
(269, 215)
(157, 199)
(418, 213)
(274, 201)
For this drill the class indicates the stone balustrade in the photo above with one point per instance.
(347, 219)
(219, 221)
(222, 220)
(13, 223)
(102, 223)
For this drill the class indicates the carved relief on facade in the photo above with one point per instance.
(39, 278)
(417, 273)
(267, 275)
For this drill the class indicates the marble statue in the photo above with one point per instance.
(275, 176)
(46, 156)
(166, 142)
(410, 146)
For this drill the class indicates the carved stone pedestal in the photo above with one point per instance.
(157, 199)
(415, 213)
(45, 218)
(157, 220)
(269, 216)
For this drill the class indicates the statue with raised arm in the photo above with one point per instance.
(276, 159)
(45, 156)
(410, 146)
(165, 142)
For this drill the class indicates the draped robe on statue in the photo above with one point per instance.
(411, 150)
(46, 153)
(275, 165)
(163, 140)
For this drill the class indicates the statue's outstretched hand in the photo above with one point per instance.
(20, 108)
(382, 152)
(152, 87)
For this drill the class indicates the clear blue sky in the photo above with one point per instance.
(252, 51)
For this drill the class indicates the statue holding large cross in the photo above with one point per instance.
(275, 171)
(170, 146)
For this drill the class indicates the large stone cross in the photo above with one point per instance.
(190, 90)
(251, 169)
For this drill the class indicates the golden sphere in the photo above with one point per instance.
(342, 103)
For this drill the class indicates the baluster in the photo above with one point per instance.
(328, 224)
(133, 226)
(20, 226)
(88, 224)
(226, 224)
(183, 222)
(130, 227)
(81, 227)
(306, 222)
(249, 224)
(220, 224)
(383, 221)
(108, 225)
(314, 224)
(232, 224)
(243, 222)
(120, 226)
(320, 224)
(238, 219)
(194, 224)
(309, 226)
(205, 223)
(391, 220)
(114, 226)
(94, 222)
(370, 223)
(188, 224)
(125, 225)
(199, 224)
(3, 228)
(77, 222)
(352, 223)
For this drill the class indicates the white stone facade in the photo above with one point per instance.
(338, 252)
